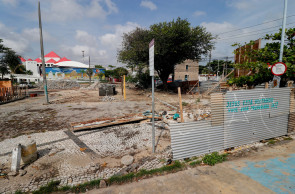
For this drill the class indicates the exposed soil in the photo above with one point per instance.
(67, 106)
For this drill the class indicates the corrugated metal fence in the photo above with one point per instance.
(238, 118)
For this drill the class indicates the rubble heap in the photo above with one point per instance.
(59, 84)
(94, 86)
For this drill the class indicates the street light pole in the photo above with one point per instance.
(42, 55)
(278, 78)
(89, 72)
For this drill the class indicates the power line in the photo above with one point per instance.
(254, 25)
(246, 34)
(260, 30)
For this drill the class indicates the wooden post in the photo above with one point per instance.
(180, 104)
(266, 85)
(124, 87)
(290, 83)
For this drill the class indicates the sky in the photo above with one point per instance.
(96, 26)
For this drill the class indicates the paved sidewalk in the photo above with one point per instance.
(269, 170)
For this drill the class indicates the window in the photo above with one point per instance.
(185, 77)
(186, 67)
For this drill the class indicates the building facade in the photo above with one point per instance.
(187, 71)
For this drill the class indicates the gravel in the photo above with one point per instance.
(59, 84)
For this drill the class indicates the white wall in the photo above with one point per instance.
(32, 66)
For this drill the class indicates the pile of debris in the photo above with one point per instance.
(59, 85)
(108, 98)
(94, 86)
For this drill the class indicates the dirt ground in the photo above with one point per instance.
(67, 106)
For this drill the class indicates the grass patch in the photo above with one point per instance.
(288, 138)
(271, 142)
(121, 179)
(214, 158)
(184, 103)
(195, 163)
(49, 188)
(53, 186)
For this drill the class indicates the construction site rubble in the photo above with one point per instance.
(108, 98)
(59, 85)
(94, 86)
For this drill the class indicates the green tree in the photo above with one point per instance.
(111, 66)
(119, 72)
(268, 55)
(99, 67)
(9, 60)
(219, 65)
(89, 72)
(13, 61)
(175, 41)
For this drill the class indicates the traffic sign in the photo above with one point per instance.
(279, 68)
(151, 57)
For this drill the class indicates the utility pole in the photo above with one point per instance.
(83, 56)
(42, 55)
(90, 72)
(278, 78)
(217, 67)
(209, 62)
(226, 66)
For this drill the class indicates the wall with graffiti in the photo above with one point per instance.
(73, 73)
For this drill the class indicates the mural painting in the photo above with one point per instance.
(73, 73)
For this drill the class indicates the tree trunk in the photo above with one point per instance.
(164, 77)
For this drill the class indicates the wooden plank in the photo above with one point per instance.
(107, 124)
(180, 104)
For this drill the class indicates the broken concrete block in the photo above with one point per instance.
(28, 152)
(102, 184)
(16, 158)
(22, 172)
(127, 160)
(12, 174)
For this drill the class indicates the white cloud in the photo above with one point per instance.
(102, 49)
(199, 13)
(112, 6)
(114, 40)
(148, 4)
(33, 34)
(14, 40)
(65, 10)
(85, 38)
(10, 2)
(217, 28)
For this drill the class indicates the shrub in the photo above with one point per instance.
(214, 158)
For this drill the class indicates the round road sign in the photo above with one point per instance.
(279, 68)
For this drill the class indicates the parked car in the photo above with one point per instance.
(24, 84)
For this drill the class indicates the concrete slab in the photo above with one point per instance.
(277, 174)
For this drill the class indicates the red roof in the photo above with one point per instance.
(51, 61)
(38, 60)
(22, 59)
(63, 59)
(29, 60)
(52, 55)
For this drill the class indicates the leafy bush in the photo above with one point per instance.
(214, 158)
(195, 163)
(184, 103)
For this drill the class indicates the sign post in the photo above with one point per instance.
(277, 70)
(151, 67)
